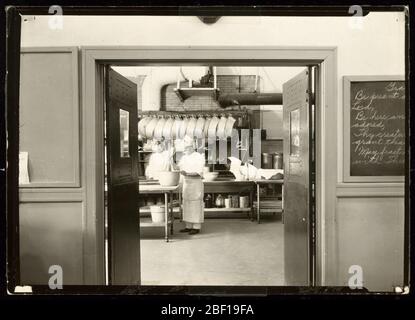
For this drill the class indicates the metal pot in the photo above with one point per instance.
(200, 123)
(277, 160)
(158, 131)
(150, 127)
(266, 162)
(220, 201)
(212, 127)
(220, 131)
(229, 126)
(168, 128)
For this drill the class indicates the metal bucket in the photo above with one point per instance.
(277, 161)
(266, 162)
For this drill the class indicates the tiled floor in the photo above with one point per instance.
(227, 252)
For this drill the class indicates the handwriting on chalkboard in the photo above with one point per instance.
(377, 125)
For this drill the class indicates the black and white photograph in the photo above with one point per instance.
(208, 151)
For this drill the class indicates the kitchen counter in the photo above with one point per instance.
(228, 186)
(168, 205)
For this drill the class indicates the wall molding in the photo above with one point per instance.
(370, 190)
(64, 195)
(76, 146)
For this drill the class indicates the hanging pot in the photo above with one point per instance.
(220, 131)
(230, 122)
(206, 126)
(150, 127)
(183, 128)
(212, 127)
(175, 131)
(200, 123)
(158, 131)
(142, 126)
(190, 131)
(167, 128)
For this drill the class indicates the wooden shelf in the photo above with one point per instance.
(147, 222)
(147, 210)
(227, 209)
(184, 93)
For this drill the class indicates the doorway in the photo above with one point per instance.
(250, 254)
(318, 206)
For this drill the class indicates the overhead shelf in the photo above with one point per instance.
(191, 91)
(184, 93)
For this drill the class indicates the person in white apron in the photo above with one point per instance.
(191, 167)
(159, 161)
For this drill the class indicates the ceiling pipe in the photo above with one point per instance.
(227, 100)
(256, 99)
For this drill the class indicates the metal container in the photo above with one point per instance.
(277, 162)
(220, 201)
(235, 201)
(266, 161)
(208, 201)
(243, 202)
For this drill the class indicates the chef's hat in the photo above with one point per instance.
(188, 141)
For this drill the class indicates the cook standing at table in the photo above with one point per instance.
(191, 167)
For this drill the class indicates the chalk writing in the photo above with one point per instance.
(377, 128)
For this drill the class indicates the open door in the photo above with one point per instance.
(297, 119)
(122, 180)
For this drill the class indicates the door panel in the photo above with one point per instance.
(122, 180)
(296, 118)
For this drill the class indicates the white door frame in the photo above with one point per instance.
(93, 59)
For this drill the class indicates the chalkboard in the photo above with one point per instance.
(377, 128)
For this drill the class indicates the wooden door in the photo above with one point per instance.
(122, 180)
(297, 192)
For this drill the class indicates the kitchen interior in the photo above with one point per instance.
(234, 116)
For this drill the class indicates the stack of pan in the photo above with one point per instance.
(175, 127)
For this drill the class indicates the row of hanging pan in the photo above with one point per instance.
(162, 127)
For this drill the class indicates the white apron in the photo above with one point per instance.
(193, 205)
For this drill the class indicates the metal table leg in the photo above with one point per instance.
(282, 203)
(180, 206)
(257, 203)
(166, 217)
(251, 201)
(171, 213)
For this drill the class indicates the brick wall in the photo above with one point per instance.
(225, 83)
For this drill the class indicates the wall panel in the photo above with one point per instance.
(51, 234)
(370, 233)
(49, 116)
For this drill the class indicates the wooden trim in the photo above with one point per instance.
(326, 169)
(93, 57)
(76, 183)
(11, 122)
(368, 190)
(346, 129)
(51, 195)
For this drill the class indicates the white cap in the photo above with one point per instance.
(188, 141)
